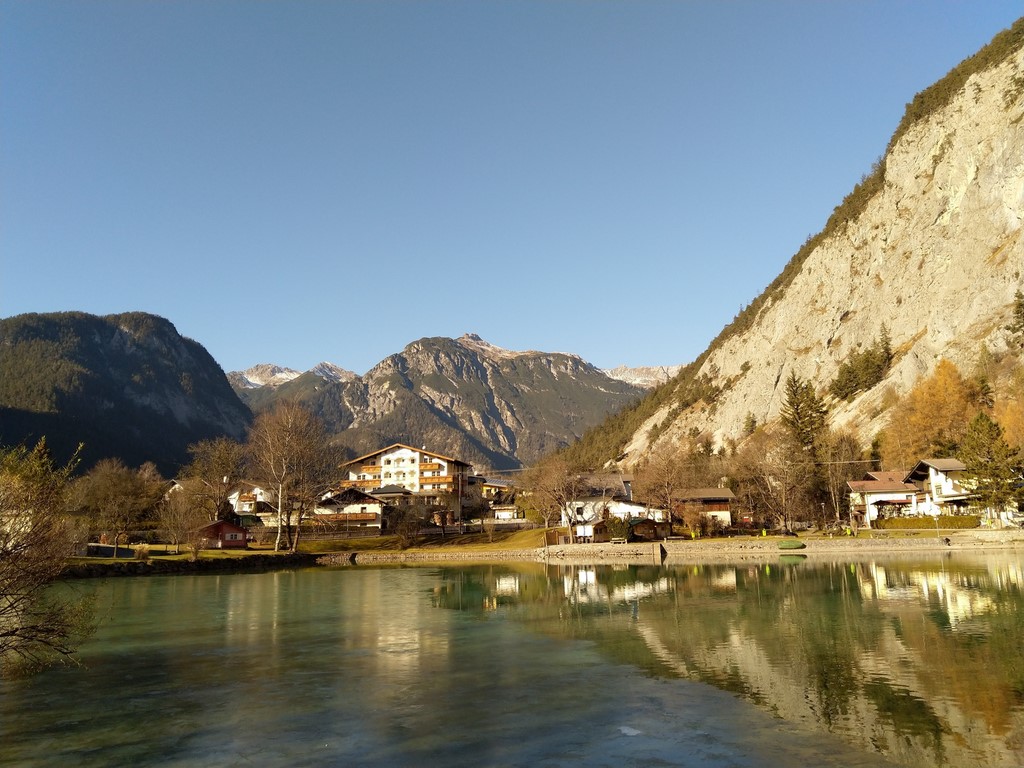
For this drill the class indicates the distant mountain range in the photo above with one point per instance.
(128, 385)
(270, 375)
(491, 406)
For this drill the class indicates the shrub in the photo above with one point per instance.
(927, 521)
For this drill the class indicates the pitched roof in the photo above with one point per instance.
(880, 486)
(942, 465)
(613, 482)
(349, 495)
(890, 476)
(395, 446)
(391, 490)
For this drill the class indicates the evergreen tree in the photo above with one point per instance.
(993, 467)
(803, 414)
(1016, 327)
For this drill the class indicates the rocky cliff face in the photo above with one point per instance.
(935, 254)
(494, 407)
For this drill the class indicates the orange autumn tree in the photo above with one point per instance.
(932, 419)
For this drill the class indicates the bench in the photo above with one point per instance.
(618, 541)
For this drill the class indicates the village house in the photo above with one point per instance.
(715, 503)
(933, 487)
(416, 473)
(352, 508)
(880, 495)
(589, 509)
(222, 534)
(589, 514)
(252, 502)
(940, 487)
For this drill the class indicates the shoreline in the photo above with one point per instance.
(702, 550)
(673, 551)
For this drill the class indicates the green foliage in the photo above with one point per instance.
(863, 370)
(1016, 327)
(617, 528)
(803, 414)
(128, 385)
(749, 424)
(952, 522)
(992, 465)
(937, 96)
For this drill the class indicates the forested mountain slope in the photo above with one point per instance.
(126, 386)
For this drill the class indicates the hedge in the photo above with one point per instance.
(916, 523)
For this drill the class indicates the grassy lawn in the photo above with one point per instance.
(464, 542)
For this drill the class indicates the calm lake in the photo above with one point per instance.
(788, 662)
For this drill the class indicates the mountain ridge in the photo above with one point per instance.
(494, 407)
(126, 385)
(927, 245)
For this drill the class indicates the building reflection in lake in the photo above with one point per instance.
(918, 660)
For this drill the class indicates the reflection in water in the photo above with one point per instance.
(919, 661)
(771, 664)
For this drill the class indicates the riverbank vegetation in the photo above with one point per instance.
(38, 624)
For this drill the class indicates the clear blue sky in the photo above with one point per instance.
(293, 182)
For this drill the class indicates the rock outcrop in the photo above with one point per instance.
(934, 254)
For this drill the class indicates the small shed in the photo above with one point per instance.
(223, 535)
(646, 529)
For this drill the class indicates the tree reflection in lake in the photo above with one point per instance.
(918, 660)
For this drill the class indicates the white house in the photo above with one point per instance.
(880, 493)
(587, 510)
(940, 489)
(350, 507)
(247, 498)
(428, 475)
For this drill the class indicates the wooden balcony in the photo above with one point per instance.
(443, 480)
(429, 466)
(361, 483)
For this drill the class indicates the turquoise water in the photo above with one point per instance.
(769, 664)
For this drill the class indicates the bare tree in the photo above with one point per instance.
(661, 478)
(217, 464)
(118, 498)
(183, 511)
(841, 457)
(289, 448)
(771, 471)
(37, 624)
(553, 486)
(405, 519)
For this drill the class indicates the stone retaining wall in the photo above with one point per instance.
(683, 550)
(426, 556)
